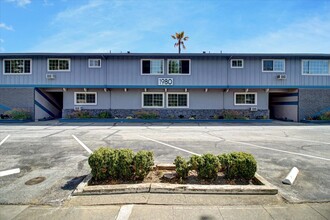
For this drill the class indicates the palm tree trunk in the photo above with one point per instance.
(179, 46)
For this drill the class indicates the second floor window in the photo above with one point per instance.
(315, 67)
(181, 67)
(236, 63)
(152, 67)
(17, 66)
(273, 65)
(94, 63)
(58, 64)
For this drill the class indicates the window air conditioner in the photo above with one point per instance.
(50, 76)
(253, 109)
(282, 76)
(77, 108)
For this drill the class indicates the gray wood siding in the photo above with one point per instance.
(126, 71)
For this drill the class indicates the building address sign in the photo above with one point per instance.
(165, 81)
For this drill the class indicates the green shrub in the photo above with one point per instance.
(79, 114)
(18, 114)
(193, 162)
(104, 115)
(124, 164)
(146, 115)
(181, 167)
(143, 161)
(99, 161)
(208, 166)
(238, 165)
(325, 116)
(232, 114)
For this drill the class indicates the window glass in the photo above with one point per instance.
(273, 65)
(268, 65)
(153, 100)
(177, 100)
(316, 67)
(58, 64)
(17, 66)
(85, 98)
(152, 66)
(179, 67)
(245, 99)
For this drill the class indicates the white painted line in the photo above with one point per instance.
(299, 139)
(9, 172)
(125, 212)
(168, 145)
(3, 141)
(83, 145)
(283, 151)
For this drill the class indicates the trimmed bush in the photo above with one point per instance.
(104, 115)
(238, 165)
(325, 116)
(193, 162)
(208, 166)
(18, 114)
(79, 114)
(146, 115)
(181, 167)
(124, 164)
(99, 162)
(143, 161)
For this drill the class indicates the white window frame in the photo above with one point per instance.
(142, 99)
(152, 74)
(68, 59)
(269, 71)
(17, 74)
(304, 74)
(75, 98)
(185, 93)
(181, 74)
(236, 67)
(89, 64)
(246, 93)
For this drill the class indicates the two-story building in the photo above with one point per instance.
(284, 86)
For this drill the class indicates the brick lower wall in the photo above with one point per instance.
(22, 98)
(312, 101)
(175, 113)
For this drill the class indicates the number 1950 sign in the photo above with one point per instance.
(165, 81)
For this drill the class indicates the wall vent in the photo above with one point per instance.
(253, 109)
(282, 76)
(50, 76)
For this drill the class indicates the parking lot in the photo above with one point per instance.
(59, 151)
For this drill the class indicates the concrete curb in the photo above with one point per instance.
(95, 120)
(265, 189)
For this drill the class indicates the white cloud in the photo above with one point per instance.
(48, 3)
(1, 40)
(306, 36)
(20, 3)
(6, 27)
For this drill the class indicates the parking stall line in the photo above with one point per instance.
(3, 141)
(83, 145)
(283, 151)
(9, 172)
(299, 139)
(125, 212)
(169, 145)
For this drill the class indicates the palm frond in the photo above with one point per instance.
(173, 37)
(185, 38)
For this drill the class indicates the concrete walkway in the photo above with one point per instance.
(311, 211)
(157, 206)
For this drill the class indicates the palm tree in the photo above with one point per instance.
(180, 38)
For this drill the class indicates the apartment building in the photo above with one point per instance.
(279, 86)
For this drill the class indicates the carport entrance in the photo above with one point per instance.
(283, 105)
(48, 103)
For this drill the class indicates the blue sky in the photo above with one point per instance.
(146, 25)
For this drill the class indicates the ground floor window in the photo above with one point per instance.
(245, 98)
(85, 98)
(177, 100)
(152, 100)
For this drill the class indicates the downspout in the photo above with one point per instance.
(106, 79)
(227, 86)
